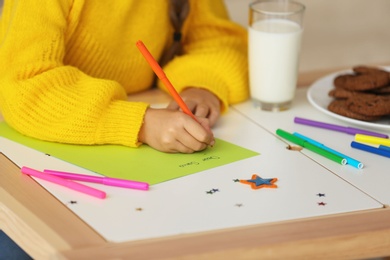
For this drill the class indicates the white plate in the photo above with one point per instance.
(319, 98)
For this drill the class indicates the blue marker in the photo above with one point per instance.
(370, 149)
(353, 162)
(384, 147)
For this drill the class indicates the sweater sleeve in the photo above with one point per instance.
(42, 97)
(215, 54)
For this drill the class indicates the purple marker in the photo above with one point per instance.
(102, 180)
(344, 129)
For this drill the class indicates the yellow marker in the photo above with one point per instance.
(372, 139)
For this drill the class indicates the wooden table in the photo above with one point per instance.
(45, 228)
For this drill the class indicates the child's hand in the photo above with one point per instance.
(173, 131)
(201, 102)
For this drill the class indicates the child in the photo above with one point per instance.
(67, 67)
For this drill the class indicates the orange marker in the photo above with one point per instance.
(161, 75)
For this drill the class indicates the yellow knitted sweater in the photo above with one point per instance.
(67, 66)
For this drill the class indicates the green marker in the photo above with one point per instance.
(301, 142)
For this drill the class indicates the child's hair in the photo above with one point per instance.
(178, 12)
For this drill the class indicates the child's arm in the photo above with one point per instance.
(43, 96)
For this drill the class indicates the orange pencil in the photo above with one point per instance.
(161, 75)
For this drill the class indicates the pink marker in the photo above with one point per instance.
(102, 180)
(63, 182)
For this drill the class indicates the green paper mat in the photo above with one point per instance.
(139, 164)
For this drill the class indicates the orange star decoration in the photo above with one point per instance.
(257, 182)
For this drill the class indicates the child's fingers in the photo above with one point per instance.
(202, 110)
(201, 132)
(188, 144)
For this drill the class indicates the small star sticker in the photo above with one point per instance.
(321, 203)
(257, 182)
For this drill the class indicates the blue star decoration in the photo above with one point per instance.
(257, 182)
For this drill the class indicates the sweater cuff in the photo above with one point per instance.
(121, 123)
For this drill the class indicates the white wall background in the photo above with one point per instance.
(338, 33)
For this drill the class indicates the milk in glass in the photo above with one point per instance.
(274, 46)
